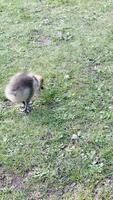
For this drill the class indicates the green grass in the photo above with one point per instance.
(70, 43)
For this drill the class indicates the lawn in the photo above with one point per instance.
(63, 149)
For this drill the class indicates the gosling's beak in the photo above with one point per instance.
(40, 79)
(42, 87)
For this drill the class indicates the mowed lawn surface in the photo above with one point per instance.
(64, 148)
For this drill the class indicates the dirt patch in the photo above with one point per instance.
(12, 180)
(104, 189)
(16, 182)
(5, 178)
(43, 41)
(34, 195)
(2, 180)
(37, 37)
(69, 187)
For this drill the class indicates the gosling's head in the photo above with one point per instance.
(40, 81)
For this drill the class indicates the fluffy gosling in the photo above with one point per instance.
(22, 87)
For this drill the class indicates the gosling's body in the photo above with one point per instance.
(22, 87)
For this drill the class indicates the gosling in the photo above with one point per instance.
(22, 87)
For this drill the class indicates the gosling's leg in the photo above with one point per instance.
(28, 107)
(23, 107)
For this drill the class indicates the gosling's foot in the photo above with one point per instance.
(26, 108)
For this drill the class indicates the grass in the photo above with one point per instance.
(63, 149)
